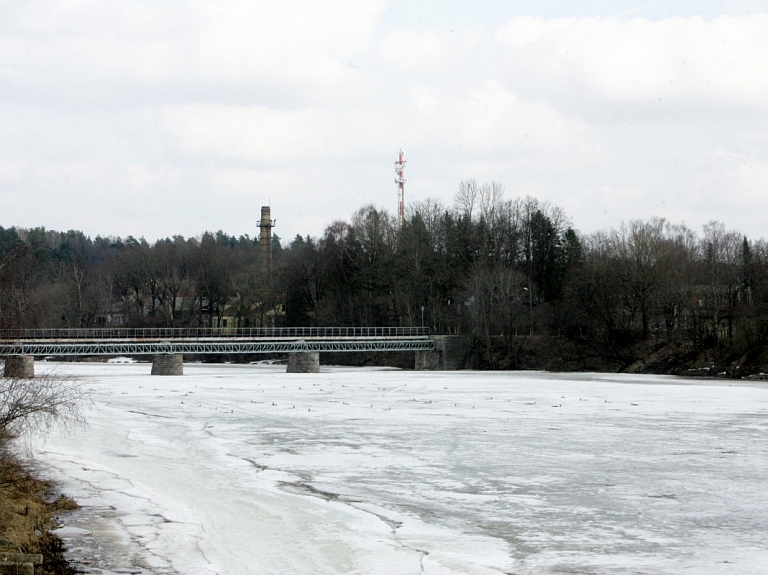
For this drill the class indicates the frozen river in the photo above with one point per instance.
(249, 470)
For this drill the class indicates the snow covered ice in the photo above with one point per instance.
(248, 470)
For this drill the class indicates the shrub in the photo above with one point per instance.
(33, 406)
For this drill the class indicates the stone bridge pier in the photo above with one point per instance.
(19, 366)
(168, 364)
(303, 362)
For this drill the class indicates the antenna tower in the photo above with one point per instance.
(400, 181)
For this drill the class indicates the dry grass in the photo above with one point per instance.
(27, 515)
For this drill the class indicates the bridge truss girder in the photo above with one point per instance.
(209, 347)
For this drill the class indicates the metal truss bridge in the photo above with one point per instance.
(151, 341)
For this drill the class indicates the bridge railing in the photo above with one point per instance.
(206, 332)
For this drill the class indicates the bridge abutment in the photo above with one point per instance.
(450, 354)
(303, 362)
(19, 366)
(168, 364)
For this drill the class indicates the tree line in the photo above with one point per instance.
(499, 269)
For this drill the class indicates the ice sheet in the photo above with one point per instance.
(246, 469)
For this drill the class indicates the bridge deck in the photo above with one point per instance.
(147, 341)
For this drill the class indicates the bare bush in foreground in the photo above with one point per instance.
(29, 406)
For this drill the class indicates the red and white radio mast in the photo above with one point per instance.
(400, 181)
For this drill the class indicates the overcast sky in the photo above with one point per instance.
(158, 118)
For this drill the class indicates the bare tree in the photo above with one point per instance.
(642, 249)
(34, 405)
(491, 196)
(722, 250)
(466, 197)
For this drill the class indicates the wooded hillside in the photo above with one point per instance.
(500, 269)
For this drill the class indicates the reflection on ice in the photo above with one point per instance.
(246, 469)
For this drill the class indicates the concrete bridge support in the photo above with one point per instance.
(451, 353)
(168, 364)
(304, 362)
(19, 366)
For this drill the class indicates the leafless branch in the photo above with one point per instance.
(34, 406)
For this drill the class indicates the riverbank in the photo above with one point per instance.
(29, 509)
(655, 356)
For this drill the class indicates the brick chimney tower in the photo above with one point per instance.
(265, 241)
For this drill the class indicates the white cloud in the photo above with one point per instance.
(489, 117)
(746, 182)
(299, 42)
(615, 195)
(430, 52)
(142, 109)
(95, 52)
(265, 136)
(13, 171)
(639, 62)
(482, 120)
(256, 133)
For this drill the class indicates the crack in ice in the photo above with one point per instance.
(306, 488)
